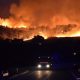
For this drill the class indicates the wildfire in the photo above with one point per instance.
(13, 24)
(24, 31)
(77, 34)
(26, 19)
(43, 35)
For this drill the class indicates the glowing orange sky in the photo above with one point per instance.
(48, 18)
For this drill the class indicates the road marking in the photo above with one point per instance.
(16, 75)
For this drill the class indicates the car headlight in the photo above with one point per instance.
(48, 66)
(39, 66)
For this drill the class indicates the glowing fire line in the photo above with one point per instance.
(60, 30)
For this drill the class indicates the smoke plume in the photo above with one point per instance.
(59, 18)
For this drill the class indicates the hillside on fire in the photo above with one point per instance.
(69, 30)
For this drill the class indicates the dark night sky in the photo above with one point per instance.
(5, 7)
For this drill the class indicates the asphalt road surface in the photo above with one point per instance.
(43, 75)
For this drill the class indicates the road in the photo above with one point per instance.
(43, 75)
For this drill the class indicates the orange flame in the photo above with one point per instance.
(10, 23)
(60, 27)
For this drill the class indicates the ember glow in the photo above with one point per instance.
(22, 31)
(11, 23)
(32, 18)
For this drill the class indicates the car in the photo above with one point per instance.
(44, 65)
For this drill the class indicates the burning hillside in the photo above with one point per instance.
(69, 30)
(50, 18)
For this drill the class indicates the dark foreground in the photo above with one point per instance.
(64, 53)
(44, 75)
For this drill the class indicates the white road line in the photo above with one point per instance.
(19, 74)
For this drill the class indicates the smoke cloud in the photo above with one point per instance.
(47, 18)
(41, 12)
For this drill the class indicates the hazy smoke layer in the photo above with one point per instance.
(48, 18)
(39, 12)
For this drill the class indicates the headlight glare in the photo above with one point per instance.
(48, 66)
(39, 66)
